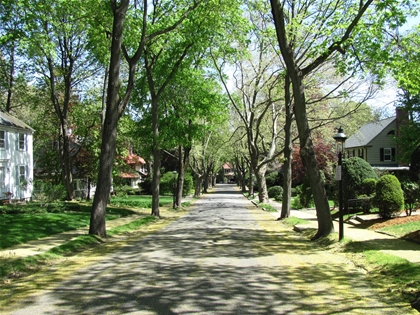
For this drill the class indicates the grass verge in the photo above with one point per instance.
(267, 207)
(388, 272)
(400, 230)
(12, 267)
(292, 221)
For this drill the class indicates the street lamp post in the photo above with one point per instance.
(340, 138)
(175, 172)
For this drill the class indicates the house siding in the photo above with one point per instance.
(16, 164)
(371, 152)
(382, 140)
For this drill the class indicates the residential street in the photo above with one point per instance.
(224, 257)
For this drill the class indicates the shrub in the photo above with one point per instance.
(146, 186)
(369, 186)
(354, 171)
(389, 196)
(411, 191)
(306, 198)
(188, 185)
(272, 179)
(49, 192)
(275, 192)
(296, 203)
(167, 184)
(124, 190)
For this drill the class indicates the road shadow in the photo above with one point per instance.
(218, 259)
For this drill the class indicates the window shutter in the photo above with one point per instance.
(381, 154)
(393, 154)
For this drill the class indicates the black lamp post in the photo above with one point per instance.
(340, 138)
(175, 172)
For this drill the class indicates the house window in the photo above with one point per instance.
(391, 133)
(2, 139)
(22, 176)
(21, 143)
(387, 154)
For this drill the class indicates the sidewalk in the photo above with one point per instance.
(385, 243)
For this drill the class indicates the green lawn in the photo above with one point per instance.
(399, 230)
(23, 223)
(139, 201)
(20, 228)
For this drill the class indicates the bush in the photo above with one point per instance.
(306, 198)
(188, 185)
(146, 186)
(49, 192)
(389, 196)
(411, 191)
(354, 171)
(167, 184)
(272, 179)
(369, 186)
(124, 190)
(275, 192)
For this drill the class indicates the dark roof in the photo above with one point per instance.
(368, 132)
(10, 121)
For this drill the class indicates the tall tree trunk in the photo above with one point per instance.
(66, 164)
(109, 130)
(197, 181)
(325, 225)
(183, 163)
(251, 182)
(157, 155)
(288, 153)
(262, 185)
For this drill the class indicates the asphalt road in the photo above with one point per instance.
(223, 257)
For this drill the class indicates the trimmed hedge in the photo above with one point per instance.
(355, 172)
(389, 196)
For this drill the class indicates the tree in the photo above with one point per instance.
(339, 31)
(57, 45)
(257, 99)
(404, 60)
(145, 28)
(408, 133)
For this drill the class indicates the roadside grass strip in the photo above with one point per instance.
(12, 267)
(400, 230)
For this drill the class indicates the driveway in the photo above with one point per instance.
(223, 257)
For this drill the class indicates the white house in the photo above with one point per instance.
(16, 158)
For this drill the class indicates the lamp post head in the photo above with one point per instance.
(340, 138)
